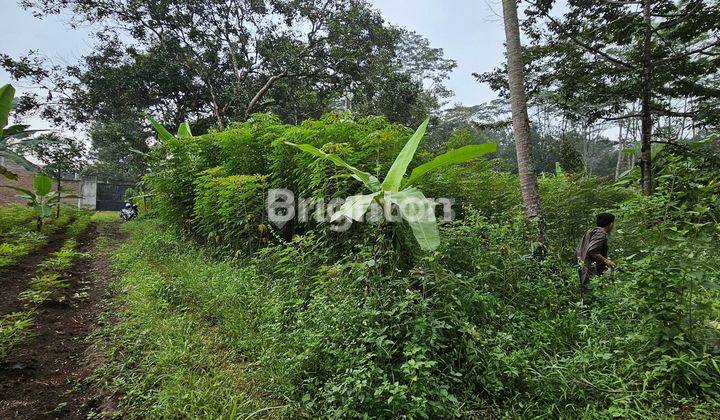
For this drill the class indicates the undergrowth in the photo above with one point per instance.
(361, 324)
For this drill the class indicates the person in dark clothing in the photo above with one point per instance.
(593, 251)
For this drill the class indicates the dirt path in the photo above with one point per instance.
(15, 279)
(45, 377)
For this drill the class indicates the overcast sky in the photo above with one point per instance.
(470, 32)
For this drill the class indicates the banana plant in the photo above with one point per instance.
(164, 135)
(14, 135)
(397, 189)
(42, 198)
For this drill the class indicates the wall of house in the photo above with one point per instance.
(25, 180)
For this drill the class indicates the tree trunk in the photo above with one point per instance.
(215, 106)
(646, 123)
(263, 90)
(57, 213)
(521, 123)
(621, 141)
(38, 223)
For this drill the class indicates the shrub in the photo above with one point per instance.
(229, 210)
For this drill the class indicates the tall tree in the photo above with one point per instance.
(216, 61)
(521, 122)
(603, 58)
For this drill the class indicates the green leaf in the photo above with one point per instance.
(7, 93)
(370, 181)
(18, 189)
(394, 177)
(30, 198)
(18, 159)
(24, 134)
(419, 212)
(42, 185)
(7, 173)
(136, 151)
(14, 129)
(184, 131)
(42, 210)
(355, 207)
(163, 134)
(452, 157)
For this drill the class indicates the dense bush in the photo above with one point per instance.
(229, 210)
(183, 168)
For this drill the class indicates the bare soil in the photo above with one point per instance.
(47, 377)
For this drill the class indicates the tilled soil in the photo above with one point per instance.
(46, 377)
(14, 280)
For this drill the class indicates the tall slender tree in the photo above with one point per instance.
(602, 59)
(59, 156)
(521, 122)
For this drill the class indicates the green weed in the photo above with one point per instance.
(15, 328)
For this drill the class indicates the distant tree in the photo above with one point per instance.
(115, 147)
(521, 123)
(601, 58)
(569, 158)
(59, 156)
(215, 61)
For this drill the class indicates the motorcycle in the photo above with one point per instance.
(129, 212)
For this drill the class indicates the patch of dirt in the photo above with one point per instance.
(15, 279)
(47, 376)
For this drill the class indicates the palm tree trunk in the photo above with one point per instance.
(521, 123)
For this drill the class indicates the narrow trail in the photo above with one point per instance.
(45, 377)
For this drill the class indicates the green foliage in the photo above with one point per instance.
(18, 234)
(569, 158)
(340, 338)
(79, 225)
(229, 210)
(357, 325)
(688, 179)
(415, 208)
(257, 147)
(164, 135)
(15, 329)
(14, 218)
(570, 203)
(18, 246)
(63, 259)
(41, 288)
(12, 136)
(42, 199)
